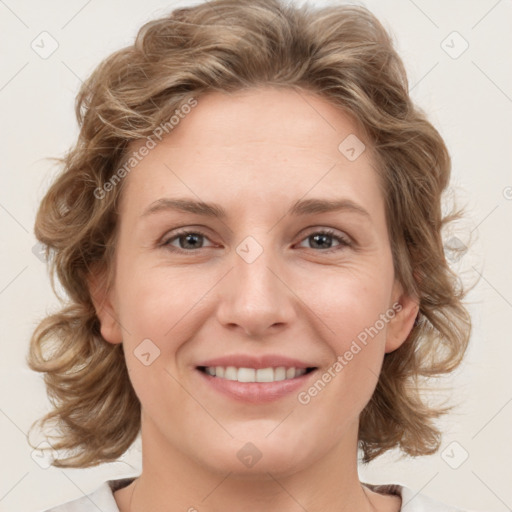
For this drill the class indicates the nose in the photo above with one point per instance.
(255, 297)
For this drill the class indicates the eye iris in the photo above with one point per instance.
(188, 238)
(321, 237)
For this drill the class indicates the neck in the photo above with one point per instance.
(171, 481)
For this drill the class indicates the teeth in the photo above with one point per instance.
(280, 373)
(265, 375)
(246, 375)
(253, 374)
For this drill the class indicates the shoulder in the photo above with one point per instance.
(101, 498)
(413, 501)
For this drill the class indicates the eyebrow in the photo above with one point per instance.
(301, 207)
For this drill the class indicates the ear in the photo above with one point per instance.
(101, 295)
(406, 310)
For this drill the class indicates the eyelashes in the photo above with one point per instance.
(343, 240)
(181, 235)
(316, 237)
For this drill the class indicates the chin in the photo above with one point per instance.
(256, 459)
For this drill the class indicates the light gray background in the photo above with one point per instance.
(468, 98)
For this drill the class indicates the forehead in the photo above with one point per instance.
(258, 144)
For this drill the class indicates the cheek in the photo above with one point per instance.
(354, 310)
(160, 310)
(357, 352)
(352, 305)
(156, 302)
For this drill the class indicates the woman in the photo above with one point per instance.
(249, 231)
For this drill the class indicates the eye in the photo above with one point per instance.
(322, 239)
(187, 241)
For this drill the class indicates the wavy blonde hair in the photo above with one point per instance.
(343, 54)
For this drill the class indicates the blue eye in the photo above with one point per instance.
(325, 237)
(192, 239)
(189, 241)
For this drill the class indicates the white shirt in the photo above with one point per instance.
(103, 499)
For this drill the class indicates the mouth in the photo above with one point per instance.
(249, 385)
(260, 375)
(255, 379)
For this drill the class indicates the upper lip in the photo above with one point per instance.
(263, 361)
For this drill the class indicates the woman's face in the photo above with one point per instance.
(256, 284)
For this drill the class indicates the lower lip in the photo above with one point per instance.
(256, 392)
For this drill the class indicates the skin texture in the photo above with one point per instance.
(255, 153)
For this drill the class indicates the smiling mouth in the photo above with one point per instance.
(269, 374)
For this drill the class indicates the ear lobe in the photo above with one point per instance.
(105, 310)
(401, 325)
